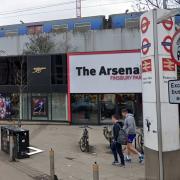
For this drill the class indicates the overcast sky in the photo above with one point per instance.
(11, 12)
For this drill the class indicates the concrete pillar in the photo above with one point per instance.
(161, 119)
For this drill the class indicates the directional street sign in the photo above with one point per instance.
(174, 91)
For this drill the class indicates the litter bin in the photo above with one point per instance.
(21, 141)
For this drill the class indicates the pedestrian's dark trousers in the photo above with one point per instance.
(117, 149)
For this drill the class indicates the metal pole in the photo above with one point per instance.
(158, 100)
(95, 171)
(51, 157)
(20, 93)
(164, 4)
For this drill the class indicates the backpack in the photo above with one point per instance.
(122, 137)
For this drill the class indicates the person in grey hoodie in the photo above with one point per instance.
(130, 128)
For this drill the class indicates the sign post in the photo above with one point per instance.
(158, 98)
(162, 137)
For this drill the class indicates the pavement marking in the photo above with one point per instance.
(35, 151)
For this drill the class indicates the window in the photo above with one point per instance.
(84, 108)
(10, 33)
(10, 70)
(85, 26)
(15, 106)
(43, 106)
(59, 72)
(114, 103)
(60, 28)
(59, 107)
(132, 23)
(35, 29)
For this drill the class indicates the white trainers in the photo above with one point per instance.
(127, 159)
(141, 159)
(115, 163)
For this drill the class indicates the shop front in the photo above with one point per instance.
(34, 88)
(103, 83)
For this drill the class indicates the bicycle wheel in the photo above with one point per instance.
(141, 142)
(82, 144)
(110, 141)
(87, 145)
(105, 132)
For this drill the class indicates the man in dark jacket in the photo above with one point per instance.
(115, 146)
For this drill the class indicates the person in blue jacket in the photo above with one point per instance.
(115, 146)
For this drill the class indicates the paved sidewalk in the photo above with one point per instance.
(8, 172)
(70, 162)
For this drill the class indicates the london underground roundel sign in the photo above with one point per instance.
(144, 24)
(145, 46)
(175, 48)
(167, 43)
(168, 24)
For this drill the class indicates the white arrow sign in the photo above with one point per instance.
(34, 151)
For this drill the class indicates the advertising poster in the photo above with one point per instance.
(39, 106)
(5, 107)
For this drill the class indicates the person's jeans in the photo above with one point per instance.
(117, 149)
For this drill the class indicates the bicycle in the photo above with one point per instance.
(107, 132)
(140, 140)
(84, 140)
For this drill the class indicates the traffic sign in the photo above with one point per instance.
(168, 24)
(145, 46)
(167, 43)
(144, 24)
(174, 91)
(175, 48)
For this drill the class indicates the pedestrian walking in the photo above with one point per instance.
(130, 128)
(115, 146)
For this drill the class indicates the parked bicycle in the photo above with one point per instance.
(107, 132)
(84, 140)
(140, 140)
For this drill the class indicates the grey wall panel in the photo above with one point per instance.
(99, 40)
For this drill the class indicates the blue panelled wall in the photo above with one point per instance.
(95, 22)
